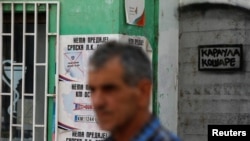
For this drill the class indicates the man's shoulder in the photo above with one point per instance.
(154, 131)
(162, 134)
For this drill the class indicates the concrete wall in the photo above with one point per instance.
(239, 3)
(189, 100)
(168, 63)
(212, 97)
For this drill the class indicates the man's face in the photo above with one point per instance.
(114, 101)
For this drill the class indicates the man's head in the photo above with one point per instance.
(120, 78)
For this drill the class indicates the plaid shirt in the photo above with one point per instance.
(153, 131)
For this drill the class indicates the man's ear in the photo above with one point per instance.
(145, 87)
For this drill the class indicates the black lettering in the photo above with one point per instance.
(73, 139)
(210, 63)
(75, 40)
(232, 62)
(230, 52)
(77, 134)
(78, 94)
(224, 52)
(89, 47)
(210, 52)
(227, 60)
(214, 52)
(79, 86)
(219, 53)
(98, 39)
(75, 47)
(131, 41)
(74, 134)
(236, 52)
(87, 94)
(222, 62)
(87, 87)
(91, 39)
(82, 40)
(105, 39)
(138, 42)
(73, 86)
(204, 52)
(204, 63)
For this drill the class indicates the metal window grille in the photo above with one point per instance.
(29, 41)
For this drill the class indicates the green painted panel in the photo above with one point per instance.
(52, 18)
(97, 17)
(81, 17)
(149, 30)
(41, 7)
(27, 0)
(30, 7)
(51, 118)
(51, 84)
(52, 65)
(108, 17)
(6, 7)
(19, 7)
(89, 17)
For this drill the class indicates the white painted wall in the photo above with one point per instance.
(168, 48)
(212, 97)
(168, 63)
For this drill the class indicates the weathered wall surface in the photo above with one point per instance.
(240, 3)
(168, 63)
(212, 97)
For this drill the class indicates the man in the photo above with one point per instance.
(120, 80)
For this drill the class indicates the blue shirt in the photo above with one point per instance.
(153, 131)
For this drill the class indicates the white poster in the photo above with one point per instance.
(76, 49)
(76, 117)
(135, 12)
(74, 53)
(138, 41)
